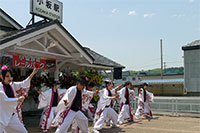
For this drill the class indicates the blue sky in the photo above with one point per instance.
(126, 31)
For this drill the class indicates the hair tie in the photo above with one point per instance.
(4, 67)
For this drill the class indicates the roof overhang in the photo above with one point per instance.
(34, 42)
(97, 66)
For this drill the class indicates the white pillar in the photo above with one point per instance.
(112, 75)
(56, 72)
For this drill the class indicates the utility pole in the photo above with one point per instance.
(161, 59)
(165, 67)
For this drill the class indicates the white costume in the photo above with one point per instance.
(65, 115)
(21, 92)
(9, 120)
(104, 110)
(125, 107)
(143, 103)
(87, 107)
(46, 102)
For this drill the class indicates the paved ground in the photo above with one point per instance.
(159, 124)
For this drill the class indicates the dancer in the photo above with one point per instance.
(9, 122)
(104, 108)
(143, 103)
(125, 107)
(88, 109)
(69, 109)
(49, 100)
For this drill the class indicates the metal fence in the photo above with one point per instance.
(174, 105)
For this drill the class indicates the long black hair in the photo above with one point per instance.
(83, 80)
(91, 84)
(127, 83)
(144, 84)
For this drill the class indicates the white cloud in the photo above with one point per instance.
(178, 15)
(115, 10)
(132, 13)
(146, 15)
(191, 1)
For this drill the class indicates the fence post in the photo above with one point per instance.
(172, 106)
(135, 105)
(176, 107)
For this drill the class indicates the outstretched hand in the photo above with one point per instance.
(66, 102)
(115, 97)
(40, 92)
(96, 92)
(120, 86)
(21, 99)
(35, 70)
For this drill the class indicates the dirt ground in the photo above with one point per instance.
(159, 124)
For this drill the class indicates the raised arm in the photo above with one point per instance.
(114, 91)
(25, 83)
(35, 70)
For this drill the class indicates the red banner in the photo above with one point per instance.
(30, 61)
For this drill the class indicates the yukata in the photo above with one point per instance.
(87, 108)
(125, 106)
(67, 114)
(104, 109)
(49, 100)
(143, 104)
(10, 108)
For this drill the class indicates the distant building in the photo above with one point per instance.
(166, 87)
(171, 85)
(192, 67)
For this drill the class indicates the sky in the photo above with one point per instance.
(126, 31)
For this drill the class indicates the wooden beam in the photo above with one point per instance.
(97, 66)
(31, 39)
(25, 37)
(42, 45)
(59, 46)
(40, 53)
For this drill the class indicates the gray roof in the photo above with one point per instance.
(9, 36)
(101, 60)
(192, 45)
(97, 58)
(11, 19)
(162, 81)
(35, 27)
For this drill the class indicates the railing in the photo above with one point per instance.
(174, 105)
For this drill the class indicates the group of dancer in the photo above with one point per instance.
(65, 107)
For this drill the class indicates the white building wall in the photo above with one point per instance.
(192, 70)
